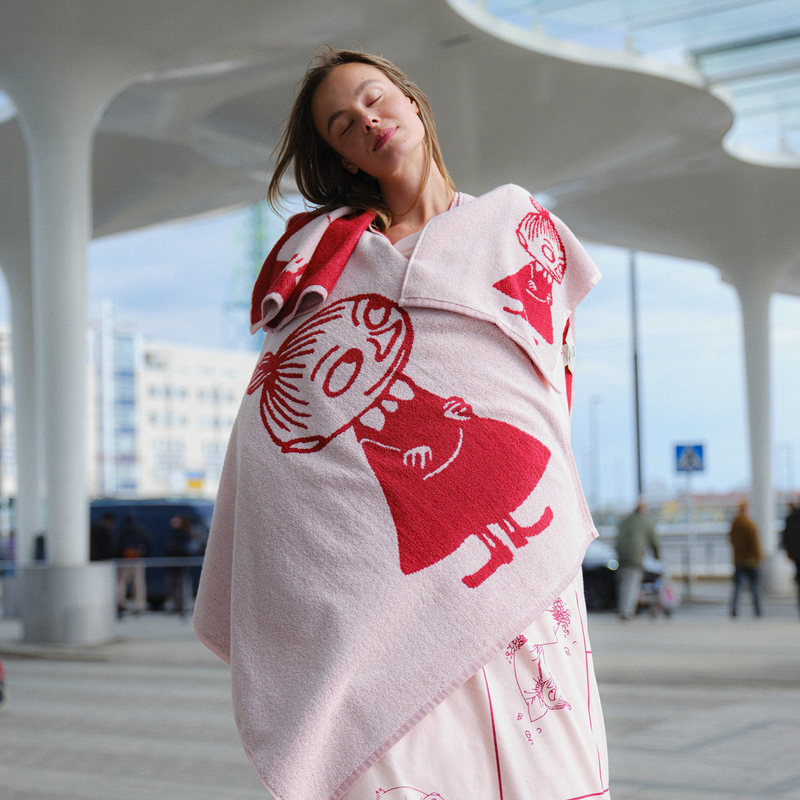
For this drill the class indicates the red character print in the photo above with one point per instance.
(405, 793)
(537, 687)
(561, 615)
(331, 370)
(532, 286)
(516, 644)
(446, 473)
(535, 681)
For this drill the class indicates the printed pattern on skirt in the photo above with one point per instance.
(529, 724)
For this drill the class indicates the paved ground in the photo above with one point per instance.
(701, 707)
(698, 707)
(146, 718)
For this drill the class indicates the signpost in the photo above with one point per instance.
(689, 459)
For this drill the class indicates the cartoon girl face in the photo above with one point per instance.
(538, 235)
(331, 370)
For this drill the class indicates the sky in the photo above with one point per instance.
(177, 283)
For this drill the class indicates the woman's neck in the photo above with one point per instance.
(412, 209)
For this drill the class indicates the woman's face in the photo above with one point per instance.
(368, 121)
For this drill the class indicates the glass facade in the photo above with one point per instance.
(749, 48)
(115, 364)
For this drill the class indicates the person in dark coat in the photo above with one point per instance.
(133, 544)
(181, 545)
(101, 538)
(746, 558)
(790, 540)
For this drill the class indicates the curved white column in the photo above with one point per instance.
(28, 451)
(755, 305)
(59, 91)
(59, 161)
(69, 600)
(15, 260)
(755, 300)
(58, 97)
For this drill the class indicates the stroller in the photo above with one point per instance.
(658, 593)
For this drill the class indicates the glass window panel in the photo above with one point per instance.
(123, 352)
(124, 386)
(125, 444)
(763, 78)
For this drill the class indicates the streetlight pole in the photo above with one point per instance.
(635, 337)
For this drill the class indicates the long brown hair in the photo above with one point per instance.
(318, 170)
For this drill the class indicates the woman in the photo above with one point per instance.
(393, 571)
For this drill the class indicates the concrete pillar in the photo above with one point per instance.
(69, 605)
(29, 501)
(59, 143)
(58, 98)
(754, 298)
(15, 261)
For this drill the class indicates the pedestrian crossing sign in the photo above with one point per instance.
(689, 457)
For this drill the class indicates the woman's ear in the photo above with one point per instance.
(414, 105)
(349, 166)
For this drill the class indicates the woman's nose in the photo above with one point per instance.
(370, 121)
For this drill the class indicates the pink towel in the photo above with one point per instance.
(531, 304)
(399, 499)
(304, 265)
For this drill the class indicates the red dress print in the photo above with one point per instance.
(446, 473)
(532, 286)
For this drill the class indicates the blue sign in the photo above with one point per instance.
(689, 457)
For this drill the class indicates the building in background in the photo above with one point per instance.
(161, 414)
(112, 415)
(187, 399)
(159, 418)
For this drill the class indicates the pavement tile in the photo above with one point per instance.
(697, 707)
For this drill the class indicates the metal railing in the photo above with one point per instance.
(703, 552)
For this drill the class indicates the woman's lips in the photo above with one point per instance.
(382, 138)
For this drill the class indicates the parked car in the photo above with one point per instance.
(600, 567)
(599, 576)
(155, 517)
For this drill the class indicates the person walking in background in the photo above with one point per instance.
(746, 558)
(790, 540)
(101, 538)
(182, 544)
(133, 543)
(636, 534)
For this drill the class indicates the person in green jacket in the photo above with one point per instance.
(636, 534)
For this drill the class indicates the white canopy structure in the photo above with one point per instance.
(133, 114)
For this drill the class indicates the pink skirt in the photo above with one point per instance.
(528, 725)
